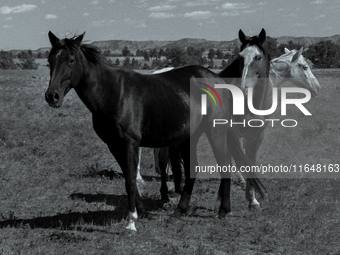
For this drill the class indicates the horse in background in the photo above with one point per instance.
(251, 58)
(290, 67)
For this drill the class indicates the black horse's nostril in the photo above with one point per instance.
(55, 98)
(52, 98)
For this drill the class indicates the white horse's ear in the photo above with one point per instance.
(297, 55)
(286, 50)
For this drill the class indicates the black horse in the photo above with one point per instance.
(131, 110)
(250, 69)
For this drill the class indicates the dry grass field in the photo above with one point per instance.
(61, 191)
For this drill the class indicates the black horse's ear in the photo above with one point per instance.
(53, 39)
(79, 39)
(241, 36)
(262, 35)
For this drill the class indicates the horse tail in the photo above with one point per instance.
(241, 159)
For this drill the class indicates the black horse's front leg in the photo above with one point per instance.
(252, 146)
(127, 158)
(125, 150)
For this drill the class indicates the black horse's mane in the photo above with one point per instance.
(92, 53)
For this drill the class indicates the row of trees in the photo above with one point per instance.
(26, 60)
(324, 54)
(158, 63)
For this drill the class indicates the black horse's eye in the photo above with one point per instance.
(71, 60)
(57, 55)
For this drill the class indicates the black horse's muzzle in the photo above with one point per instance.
(52, 99)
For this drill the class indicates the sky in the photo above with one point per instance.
(25, 24)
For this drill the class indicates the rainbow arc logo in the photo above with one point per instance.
(204, 97)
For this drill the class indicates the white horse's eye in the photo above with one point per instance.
(304, 67)
(258, 57)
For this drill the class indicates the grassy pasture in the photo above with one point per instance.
(56, 197)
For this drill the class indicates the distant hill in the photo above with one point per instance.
(116, 46)
(308, 40)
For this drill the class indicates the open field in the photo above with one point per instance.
(56, 196)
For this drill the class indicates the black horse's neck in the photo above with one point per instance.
(232, 70)
(93, 88)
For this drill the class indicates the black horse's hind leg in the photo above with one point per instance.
(189, 156)
(175, 160)
(218, 141)
(163, 158)
(228, 157)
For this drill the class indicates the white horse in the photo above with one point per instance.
(291, 67)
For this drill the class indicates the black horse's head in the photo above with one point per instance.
(253, 58)
(67, 60)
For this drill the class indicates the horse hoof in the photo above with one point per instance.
(177, 214)
(256, 208)
(163, 198)
(172, 220)
(179, 191)
(131, 226)
(222, 215)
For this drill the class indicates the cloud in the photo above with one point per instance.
(201, 2)
(318, 2)
(95, 2)
(235, 6)
(141, 25)
(103, 22)
(7, 26)
(86, 14)
(299, 25)
(8, 18)
(249, 11)
(161, 15)
(289, 15)
(230, 14)
(51, 16)
(162, 8)
(17, 9)
(320, 16)
(198, 15)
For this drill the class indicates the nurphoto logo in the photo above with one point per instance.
(239, 105)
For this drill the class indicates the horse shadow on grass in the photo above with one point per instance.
(70, 220)
(112, 174)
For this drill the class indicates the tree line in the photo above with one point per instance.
(26, 60)
(324, 54)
